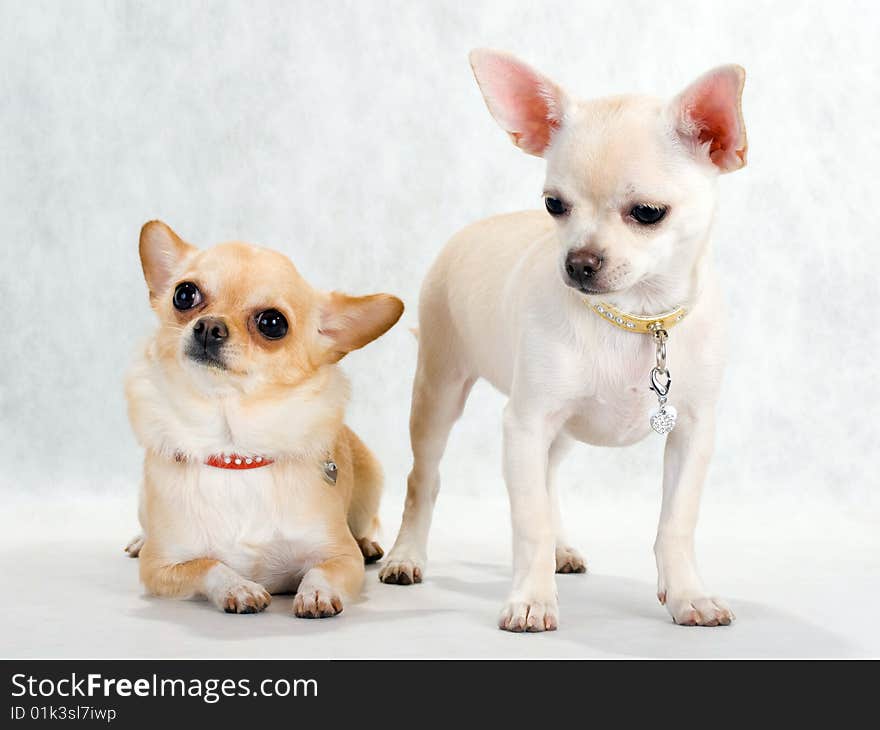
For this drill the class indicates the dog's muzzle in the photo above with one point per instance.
(208, 337)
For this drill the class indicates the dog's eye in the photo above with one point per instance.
(272, 324)
(648, 215)
(555, 206)
(186, 296)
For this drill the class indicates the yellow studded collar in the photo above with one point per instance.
(638, 323)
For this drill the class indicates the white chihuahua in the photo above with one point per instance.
(569, 314)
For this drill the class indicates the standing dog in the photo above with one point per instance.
(568, 315)
(252, 482)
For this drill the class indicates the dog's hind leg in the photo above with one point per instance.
(568, 559)
(134, 545)
(137, 542)
(439, 394)
(363, 511)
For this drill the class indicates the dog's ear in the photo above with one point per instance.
(707, 117)
(348, 323)
(527, 105)
(161, 251)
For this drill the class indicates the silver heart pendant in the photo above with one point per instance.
(663, 419)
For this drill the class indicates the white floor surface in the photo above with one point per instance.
(71, 592)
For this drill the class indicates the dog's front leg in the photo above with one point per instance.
(207, 577)
(686, 460)
(326, 585)
(532, 604)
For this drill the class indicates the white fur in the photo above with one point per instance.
(497, 307)
(223, 585)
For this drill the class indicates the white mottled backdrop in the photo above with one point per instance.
(352, 136)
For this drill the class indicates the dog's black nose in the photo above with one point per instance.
(582, 264)
(210, 332)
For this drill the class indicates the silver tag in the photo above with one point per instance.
(663, 419)
(330, 471)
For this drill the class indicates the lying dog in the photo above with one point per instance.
(568, 314)
(253, 484)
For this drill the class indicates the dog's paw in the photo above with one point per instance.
(243, 597)
(695, 610)
(531, 615)
(569, 560)
(370, 549)
(134, 546)
(403, 572)
(316, 603)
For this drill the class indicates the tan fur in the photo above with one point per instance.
(237, 536)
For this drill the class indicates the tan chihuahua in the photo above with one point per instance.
(253, 484)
